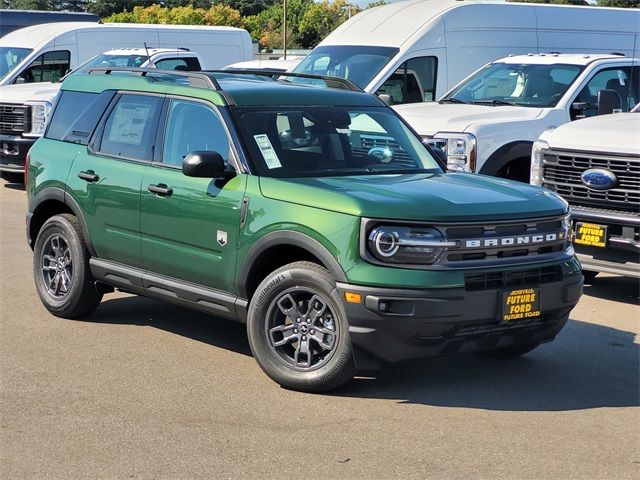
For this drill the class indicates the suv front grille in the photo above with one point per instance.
(503, 241)
(14, 119)
(512, 279)
(561, 172)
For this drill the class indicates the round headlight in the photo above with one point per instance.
(386, 243)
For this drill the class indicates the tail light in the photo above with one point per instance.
(26, 168)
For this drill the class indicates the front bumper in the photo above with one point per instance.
(402, 324)
(621, 256)
(13, 151)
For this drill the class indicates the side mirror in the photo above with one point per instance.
(20, 80)
(608, 101)
(386, 98)
(439, 153)
(206, 164)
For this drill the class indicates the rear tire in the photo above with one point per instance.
(589, 276)
(61, 269)
(298, 330)
(514, 351)
(13, 177)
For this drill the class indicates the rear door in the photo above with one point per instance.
(190, 225)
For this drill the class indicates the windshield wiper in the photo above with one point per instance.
(451, 100)
(492, 102)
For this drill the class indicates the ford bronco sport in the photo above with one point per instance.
(315, 215)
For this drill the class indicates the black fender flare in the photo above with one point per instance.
(286, 237)
(57, 194)
(504, 155)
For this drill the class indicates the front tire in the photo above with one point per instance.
(61, 269)
(298, 330)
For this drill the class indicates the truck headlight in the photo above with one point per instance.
(39, 114)
(461, 149)
(407, 245)
(537, 152)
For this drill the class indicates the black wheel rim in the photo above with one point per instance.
(301, 328)
(57, 266)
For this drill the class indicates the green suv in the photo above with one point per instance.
(313, 214)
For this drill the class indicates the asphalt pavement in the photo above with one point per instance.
(144, 389)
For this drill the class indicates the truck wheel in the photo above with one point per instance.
(589, 276)
(509, 352)
(12, 177)
(298, 330)
(61, 269)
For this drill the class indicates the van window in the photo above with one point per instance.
(625, 81)
(131, 127)
(413, 82)
(359, 64)
(48, 67)
(193, 127)
(185, 64)
(10, 57)
(76, 115)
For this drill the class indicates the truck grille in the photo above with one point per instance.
(561, 172)
(14, 119)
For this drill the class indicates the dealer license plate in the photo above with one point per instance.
(591, 235)
(520, 304)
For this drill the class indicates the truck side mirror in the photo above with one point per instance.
(608, 101)
(20, 81)
(386, 98)
(206, 164)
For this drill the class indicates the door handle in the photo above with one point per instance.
(90, 176)
(160, 189)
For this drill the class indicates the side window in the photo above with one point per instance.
(414, 81)
(76, 115)
(185, 64)
(131, 127)
(191, 127)
(625, 81)
(48, 67)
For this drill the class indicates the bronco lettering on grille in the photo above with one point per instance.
(514, 241)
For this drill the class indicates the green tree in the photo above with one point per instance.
(619, 3)
(249, 7)
(322, 18)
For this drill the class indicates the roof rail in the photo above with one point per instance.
(196, 79)
(332, 82)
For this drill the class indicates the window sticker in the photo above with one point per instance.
(269, 154)
(128, 124)
(621, 77)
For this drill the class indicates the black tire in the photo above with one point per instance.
(13, 177)
(509, 352)
(308, 347)
(61, 269)
(589, 276)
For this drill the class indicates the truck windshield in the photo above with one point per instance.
(10, 57)
(110, 60)
(331, 141)
(359, 64)
(524, 85)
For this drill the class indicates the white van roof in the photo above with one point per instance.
(31, 37)
(394, 24)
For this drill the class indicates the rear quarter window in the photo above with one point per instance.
(76, 115)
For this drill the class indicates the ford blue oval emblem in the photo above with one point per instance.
(599, 178)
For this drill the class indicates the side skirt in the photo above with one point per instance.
(176, 291)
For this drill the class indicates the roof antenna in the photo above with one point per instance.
(149, 55)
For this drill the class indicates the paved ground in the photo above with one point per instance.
(149, 390)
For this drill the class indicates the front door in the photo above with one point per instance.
(190, 225)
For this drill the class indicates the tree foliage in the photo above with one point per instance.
(619, 3)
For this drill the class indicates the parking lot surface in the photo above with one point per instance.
(144, 389)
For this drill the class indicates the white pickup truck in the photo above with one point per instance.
(594, 164)
(24, 107)
(488, 122)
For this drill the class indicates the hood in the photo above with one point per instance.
(29, 91)
(447, 197)
(616, 133)
(433, 117)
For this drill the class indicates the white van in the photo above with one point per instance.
(44, 53)
(414, 51)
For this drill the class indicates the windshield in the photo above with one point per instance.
(109, 60)
(10, 57)
(357, 64)
(516, 84)
(331, 141)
